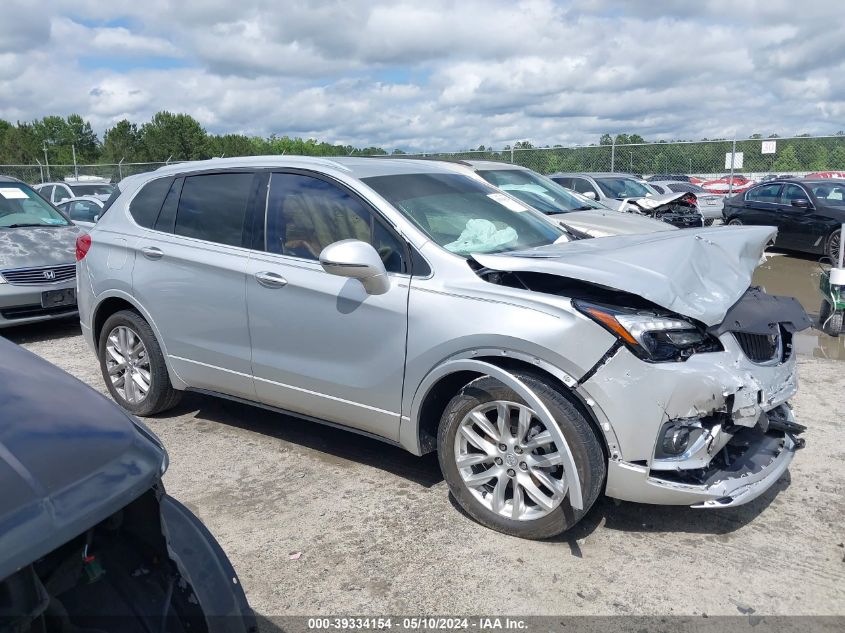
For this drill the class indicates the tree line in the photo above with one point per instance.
(167, 135)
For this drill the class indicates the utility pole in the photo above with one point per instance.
(75, 168)
(612, 154)
(630, 162)
(733, 160)
(120, 168)
(40, 169)
(46, 160)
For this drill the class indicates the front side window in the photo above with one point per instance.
(764, 193)
(581, 185)
(792, 192)
(685, 187)
(84, 211)
(463, 215)
(624, 188)
(212, 207)
(46, 192)
(21, 207)
(540, 192)
(306, 214)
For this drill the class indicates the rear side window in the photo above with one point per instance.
(213, 207)
(147, 203)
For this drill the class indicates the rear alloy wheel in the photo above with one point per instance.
(505, 467)
(735, 222)
(833, 246)
(133, 365)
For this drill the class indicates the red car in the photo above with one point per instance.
(723, 185)
(826, 174)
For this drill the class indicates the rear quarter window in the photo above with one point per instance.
(146, 204)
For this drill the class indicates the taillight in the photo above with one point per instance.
(83, 243)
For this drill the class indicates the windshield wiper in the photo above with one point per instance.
(24, 225)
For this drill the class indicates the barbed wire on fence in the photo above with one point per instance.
(796, 156)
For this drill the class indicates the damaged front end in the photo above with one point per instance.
(680, 210)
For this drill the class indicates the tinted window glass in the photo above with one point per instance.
(679, 187)
(828, 194)
(93, 190)
(146, 204)
(765, 193)
(167, 218)
(60, 194)
(541, 193)
(792, 192)
(212, 207)
(623, 188)
(305, 214)
(583, 186)
(46, 192)
(464, 215)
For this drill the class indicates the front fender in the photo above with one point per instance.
(204, 564)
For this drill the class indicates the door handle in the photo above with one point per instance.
(271, 280)
(151, 252)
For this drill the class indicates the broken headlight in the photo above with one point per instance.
(652, 337)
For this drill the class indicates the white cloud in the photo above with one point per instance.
(435, 75)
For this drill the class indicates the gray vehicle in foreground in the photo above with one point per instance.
(37, 267)
(89, 539)
(408, 301)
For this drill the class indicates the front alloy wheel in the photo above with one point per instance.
(509, 462)
(833, 246)
(128, 364)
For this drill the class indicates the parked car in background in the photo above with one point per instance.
(411, 301)
(90, 540)
(623, 192)
(668, 177)
(808, 213)
(84, 210)
(37, 267)
(57, 192)
(769, 177)
(709, 205)
(723, 185)
(564, 205)
(839, 175)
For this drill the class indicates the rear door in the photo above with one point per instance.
(189, 274)
(802, 228)
(322, 346)
(760, 205)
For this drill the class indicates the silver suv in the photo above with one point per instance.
(413, 302)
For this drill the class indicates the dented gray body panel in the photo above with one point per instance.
(697, 273)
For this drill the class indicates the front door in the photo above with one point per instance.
(321, 346)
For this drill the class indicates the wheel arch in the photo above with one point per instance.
(115, 302)
(419, 434)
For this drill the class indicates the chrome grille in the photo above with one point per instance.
(40, 276)
(760, 348)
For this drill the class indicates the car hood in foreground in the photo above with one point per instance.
(37, 246)
(604, 223)
(69, 458)
(699, 273)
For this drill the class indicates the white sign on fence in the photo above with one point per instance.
(737, 160)
(769, 147)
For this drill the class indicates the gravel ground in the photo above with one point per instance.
(379, 535)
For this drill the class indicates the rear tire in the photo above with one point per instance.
(734, 222)
(133, 365)
(520, 481)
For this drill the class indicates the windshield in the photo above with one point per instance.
(830, 194)
(540, 192)
(20, 206)
(624, 188)
(464, 215)
(102, 189)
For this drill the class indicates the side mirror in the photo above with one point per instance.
(801, 203)
(357, 260)
(589, 194)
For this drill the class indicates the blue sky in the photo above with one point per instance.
(445, 74)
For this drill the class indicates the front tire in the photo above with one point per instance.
(832, 247)
(503, 468)
(734, 222)
(133, 365)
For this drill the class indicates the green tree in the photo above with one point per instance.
(837, 158)
(123, 142)
(821, 159)
(606, 139)
(178, 136)
(19, 145)
(230, 145)
(787, 160)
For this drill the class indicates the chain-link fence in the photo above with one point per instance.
(754, 158)
(114, 172)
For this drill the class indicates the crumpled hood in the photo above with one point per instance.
(699, 273)
(38, 246)
(655, 202)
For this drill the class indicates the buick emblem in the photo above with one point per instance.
(49, 274)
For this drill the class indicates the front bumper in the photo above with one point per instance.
(20, 305)
(733, 397)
